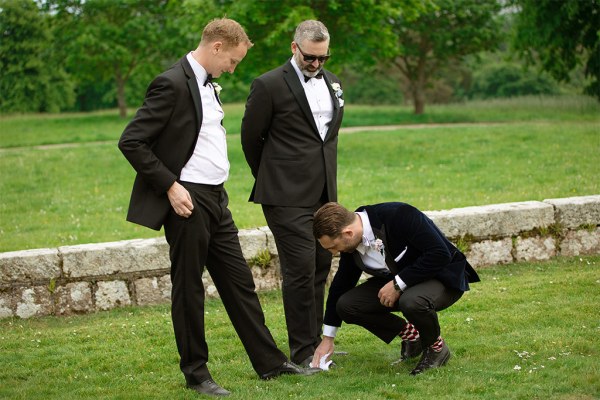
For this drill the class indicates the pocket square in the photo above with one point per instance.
(401, 254)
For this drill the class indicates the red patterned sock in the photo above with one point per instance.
(437, 346)
(409, 333)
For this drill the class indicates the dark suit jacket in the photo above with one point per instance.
(428, 254)
(159, 141)
(290, 162)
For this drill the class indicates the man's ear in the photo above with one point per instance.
(347, 232)
(217, 46)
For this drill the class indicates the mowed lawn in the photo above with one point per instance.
(64, 181)
(526, 331)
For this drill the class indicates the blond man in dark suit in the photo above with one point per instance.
(176, 143)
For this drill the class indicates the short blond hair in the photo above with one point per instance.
(226, 30)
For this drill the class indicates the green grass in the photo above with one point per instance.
(43, 129)
(541, 317)
(78, 192)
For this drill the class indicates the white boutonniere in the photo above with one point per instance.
(337, 89)
(377, 245)
(217, 87)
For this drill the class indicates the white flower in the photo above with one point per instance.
(338, 92)
(217, 87)
(517, 367)
(377, 245)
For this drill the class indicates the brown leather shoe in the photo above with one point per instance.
(209, 387)
(410, 349)
(289, 368)
(432, 359)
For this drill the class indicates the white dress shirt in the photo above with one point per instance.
(209, 163)
(319, 100)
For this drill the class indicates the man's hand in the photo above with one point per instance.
(325, 347)
(388, 295)
(180, 199)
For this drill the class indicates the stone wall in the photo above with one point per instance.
(93, 277)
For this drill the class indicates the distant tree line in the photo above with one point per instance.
(80, 55)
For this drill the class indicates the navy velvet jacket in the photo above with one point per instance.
(428, 254)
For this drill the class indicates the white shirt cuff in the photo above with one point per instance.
(329, 330)
(400, 283)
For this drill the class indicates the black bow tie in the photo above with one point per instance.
(318, 76)
(208, 79)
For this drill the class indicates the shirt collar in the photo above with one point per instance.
(368, 235)
(198, 69)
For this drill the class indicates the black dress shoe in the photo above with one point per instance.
(210, 388)
(306, 363)
(289, 368)
(432, 359)
(410, 349)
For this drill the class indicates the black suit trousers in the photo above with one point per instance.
(305, 266)
(209, 238)
(419, 304)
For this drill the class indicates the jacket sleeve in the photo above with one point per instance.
(346, 278)
(256, 124)
(421, 234)
(142, 132)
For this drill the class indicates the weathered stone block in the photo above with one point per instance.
(155, 290)
(33, 301)
(535, 248)
(7, 303)
(115, 257)
(29, 266)
(496, 220)
(268, 278)
(253, 241)
(573, 212)
(581, 242)
(209, 287)
(489, 252)
(270, 240)
(112, 294)
(72, 298)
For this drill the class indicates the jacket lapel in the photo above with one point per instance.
(194, 91)
(336, 105)
(295, 86)
(389, 258)
(379, 230)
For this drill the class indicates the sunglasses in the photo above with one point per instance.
(309, 58)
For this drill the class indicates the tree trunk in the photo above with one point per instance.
(121, 94)
(418, 87)
(418, 94)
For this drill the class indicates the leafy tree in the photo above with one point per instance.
(561, 35)
(120, 40)
(33, 78)
(359, 30)
(440, 37)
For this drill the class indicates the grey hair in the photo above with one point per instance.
(311, 30)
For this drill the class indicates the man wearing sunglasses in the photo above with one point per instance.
(289, 137)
